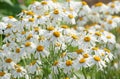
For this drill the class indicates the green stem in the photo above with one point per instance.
(84, 73)
(0, 41)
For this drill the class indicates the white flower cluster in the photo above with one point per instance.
(53, 40)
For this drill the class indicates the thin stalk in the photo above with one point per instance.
(84, 74)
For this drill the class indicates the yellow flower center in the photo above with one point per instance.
(9, 26)
(10, 17)
(17, 50)
(84, 3)
(74, 36)
(8, 60)
(31, 20)
(56, 11)
(95, 48)
(50, 28)
(68, 0)
(44, 3)
(54, 0)
(36, 29)
(85, 55)
(29, 36)
(64, 26)
(112, 6)
(38, 17)
(23, 32)
(67, 78)
(2, 74)
(63, 54)
(56, 34)
(18, 70)
(80, 18)
(40, 48)
(27, 44)
(55, 63)
(108, 37)
(79, 51)
(87, 39)
(98, 4)
(41, 38)
(33, 63)
(82, 60)
(98, 34)
(57, 44)
(69, 62)
(46, 13)
(107, 50)
(96, 58)
(110, 21)
(70, 16)
(30, 13)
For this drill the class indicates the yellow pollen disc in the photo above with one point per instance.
(70, 16)
(107, 50)
(9, 26)
(30, 13)
(74, 37)
(17, 50)
(36, 29)
(8, 60)
(112, 6)
(27, 44)
(38, 17)
(40, 48)
(107, 13)
(33, 63)
(29, 36)
(23, 32)
(67, 78)
(69, 62)
(80, 18)
(96, 58)
(98, 4)
(24, 11)
(84, 3)
(79, 51)
(98, 34)
(110, 21)
(64, 26)
(108, 37)
(95, 48)
(85, 55)
(54, 0)
(46, 13)
(31, 20)
(57, 44)
(68, 0)
(87, 39)
(82, 60)
(10, 17)
(18, 70)
(2, 74)
(55, 63)
(63, 54)
(102, 54)
(56, 34)
(50, 28)
(56, 11)
(44, 3)
(71, 9)
(41, 38)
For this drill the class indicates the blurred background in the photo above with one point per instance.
(13, 7)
